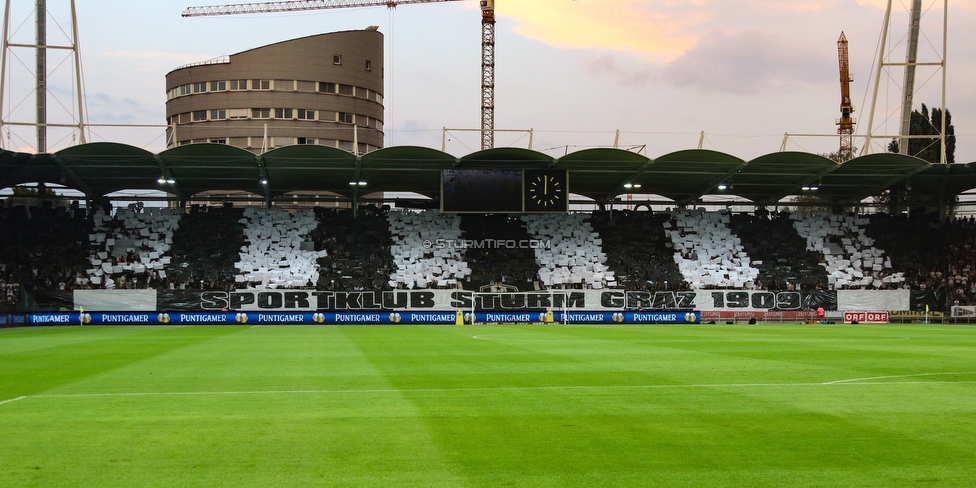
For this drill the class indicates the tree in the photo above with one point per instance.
(922, 123)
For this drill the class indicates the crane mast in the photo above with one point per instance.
(487, 39)
(845, 124)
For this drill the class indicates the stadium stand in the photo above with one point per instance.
(499, 265)
(353, 253)
(276, 253)
(419, 260)
(42, 248)
(222, 248)
(568, 251)
(915, 245)
(638, 251)
(205, 248)
(707, 253)
(778, 252)
(961, 263)
(851, 259)
(129, 249)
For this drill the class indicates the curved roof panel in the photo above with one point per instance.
(507, 157)
(868, 175)
(769, 178)
(602, 173)
(683, 176)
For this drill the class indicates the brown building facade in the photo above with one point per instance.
(325, 89)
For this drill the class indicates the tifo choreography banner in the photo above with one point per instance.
(557, 300)
(442, 300)
(357, 318)
(419, 300)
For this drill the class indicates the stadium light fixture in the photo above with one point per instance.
(165, 181)
(723, 186)
(357, 183)
(264, 182)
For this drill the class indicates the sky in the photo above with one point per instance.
(653, 76)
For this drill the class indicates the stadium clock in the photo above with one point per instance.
(546, 190)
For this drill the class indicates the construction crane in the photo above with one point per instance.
(845, 124)
(487, 39)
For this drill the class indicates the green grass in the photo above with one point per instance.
(556, 406)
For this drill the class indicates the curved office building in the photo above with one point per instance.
(325, 89)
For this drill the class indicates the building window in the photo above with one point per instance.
(260, 113)
(200, 87)
(369, 65)
(345, 145)
(199, 115)
(260, 84)
(238, 84)
(237, 113)
(306, 140)
(378, 97)
(346, 90)
(326, 87)
(283, 113)
(337, 59)
(304, 114)
(345, 118)
(218, 85)
(185, 90)
(218, 114)
(218, 141)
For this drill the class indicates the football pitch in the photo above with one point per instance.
(479, 406)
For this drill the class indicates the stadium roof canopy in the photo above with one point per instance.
(98, 169)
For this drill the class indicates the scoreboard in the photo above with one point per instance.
(504, 191)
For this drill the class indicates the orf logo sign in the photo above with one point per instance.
(866, 317)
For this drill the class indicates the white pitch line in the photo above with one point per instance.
(858, 380)
(501, 388)
(11, 400)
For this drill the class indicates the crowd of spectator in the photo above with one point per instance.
(43, 248)
(357, 249)
(779, 252)
(510, 265)
(53, 249)
(961, 261)
(205, 248)
(638, 250)
(916, 245)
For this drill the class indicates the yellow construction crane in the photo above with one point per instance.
(845, 124)
(487, 39)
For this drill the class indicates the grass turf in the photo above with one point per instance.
(558, 406)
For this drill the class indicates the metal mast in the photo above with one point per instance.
(845, 124)
(908, 87)
(487, 39)
(41, 90)
(41, 47)
(910, 64)
(487, 74)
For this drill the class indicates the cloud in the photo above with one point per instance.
(661, 28)
(608, 65)
(748, 63)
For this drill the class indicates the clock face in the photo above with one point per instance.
(545, 191)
